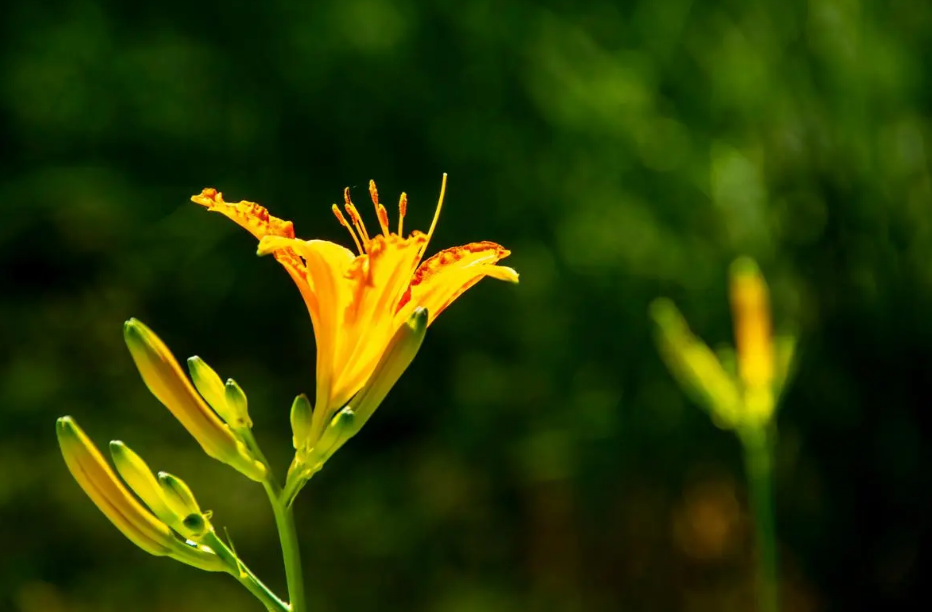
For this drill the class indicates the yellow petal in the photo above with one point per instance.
(368, 320)
(165, 379)
(445, 276)
(257, 221)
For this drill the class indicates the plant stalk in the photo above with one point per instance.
(758, 457)
(237, 569)
(287, 534)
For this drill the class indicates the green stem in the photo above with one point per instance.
(287, 534)
(237, 569)
(758, 457)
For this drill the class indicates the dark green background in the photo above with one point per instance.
(537, 455)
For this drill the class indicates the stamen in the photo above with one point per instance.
(402, 211)
(356, 218)
(433, 224)
(342, 220)
(383, 219)
(379, 209)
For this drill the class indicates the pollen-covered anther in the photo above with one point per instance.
(402, 211)
(356, 218)
(380, 210)
(349, 228)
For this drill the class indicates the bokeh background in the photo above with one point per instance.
(537, 455)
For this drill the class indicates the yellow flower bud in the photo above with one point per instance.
(140, 479)
(695, 366)
(237, 405)
(208, 383)
(401, 351)
(301, 415)
(165, 379)
(92, 473)
(750, 305)
(340, 429)
(180, 499)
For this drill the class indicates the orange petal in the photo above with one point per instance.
(369, 321)
(257, 221)
(250, 216)
(445, 276)
(327, 265)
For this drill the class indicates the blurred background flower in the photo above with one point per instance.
(538, 456)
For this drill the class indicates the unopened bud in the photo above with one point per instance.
(237, 405)
(401, 351)
(167, 382)
(301, 414)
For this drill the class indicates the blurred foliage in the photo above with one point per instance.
(537, 455)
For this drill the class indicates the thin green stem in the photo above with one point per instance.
(237, 569)
(758, 456)
(287, 534)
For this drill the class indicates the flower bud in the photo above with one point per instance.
(750, 305)
(208, 384)
(695, 366)
(237, 405)
(162, 374)
(301, 414)
(108, 493)
(181, 500)
(401, 351)
(140, 479)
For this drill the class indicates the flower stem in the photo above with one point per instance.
(758, 457)
(284, 520)
(287, 534)
(237, 569)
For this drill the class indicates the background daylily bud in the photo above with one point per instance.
(92, 473)
(182, 502)
(784, 352)
(237, 405)
(208, 383)
(141, 480)
(300, 420)
(695, 366)
(167, 382)
(396, 359)
(750, 305)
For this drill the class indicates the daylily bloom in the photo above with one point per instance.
(358, 301)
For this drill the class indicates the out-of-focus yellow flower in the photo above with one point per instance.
(166, 380)
(358, 301)
(108, 493)
(750, 311)
(746, 397)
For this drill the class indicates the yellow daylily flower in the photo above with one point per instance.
(358, 301)
(110, 495)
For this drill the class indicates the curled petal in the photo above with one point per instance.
(445, 276)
